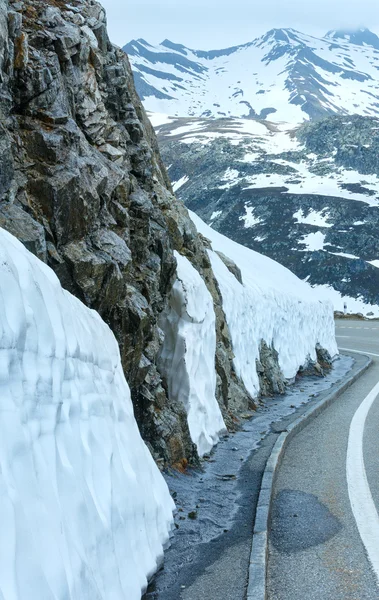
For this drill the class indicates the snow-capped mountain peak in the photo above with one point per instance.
(359, 37)
(287, 35)
(284, 75)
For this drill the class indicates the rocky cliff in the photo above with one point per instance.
(83, 187)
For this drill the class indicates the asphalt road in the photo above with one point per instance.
(209, 556)
(324, 535)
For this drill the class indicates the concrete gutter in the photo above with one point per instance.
(256, 588)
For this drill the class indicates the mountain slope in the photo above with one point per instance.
(82, 185)
(286, 75)
(307, 197)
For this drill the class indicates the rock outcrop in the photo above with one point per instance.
(82, 185)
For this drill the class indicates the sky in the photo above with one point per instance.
(213, 24)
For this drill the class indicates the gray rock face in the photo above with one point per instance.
(231, 266)
(82, 188)
(270, 375)
(82, 185)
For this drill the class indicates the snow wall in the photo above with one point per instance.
(187, 359)
(272, 305)
(84, 511)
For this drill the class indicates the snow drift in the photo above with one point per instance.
(187, 358)
(272, 305)
(84, 511)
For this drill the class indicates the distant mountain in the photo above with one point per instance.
(306, 196)
(284, 75)
(275, 144)
(359, 37)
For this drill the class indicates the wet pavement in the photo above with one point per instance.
(210, 548)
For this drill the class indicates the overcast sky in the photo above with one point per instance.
(211, 24)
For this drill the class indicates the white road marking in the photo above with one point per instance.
(362, 503)
(348, 337)
(356, 328)
(358, 351)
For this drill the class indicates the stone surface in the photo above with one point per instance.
(236, 271)
(83, 186)
(271, 379)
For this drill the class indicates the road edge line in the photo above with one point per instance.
(361, 501)
(257, 573)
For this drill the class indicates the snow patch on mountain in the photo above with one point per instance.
(302, 172)
(272, 305)
(314, 217)
(215, 214)
(176, 185)
(284, 75)
(314, 241)
(345, 255)
(187, 359)
(158, 119)
(84, 511)
(249, 218)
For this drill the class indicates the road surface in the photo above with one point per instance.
(324, 535)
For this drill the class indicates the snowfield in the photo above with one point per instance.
(188, 355)
(354, 305)
(285, 74)
(272, 305)
(322, 207)
(84, 511)
(265, 140)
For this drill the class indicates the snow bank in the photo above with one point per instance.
(84, 511)
(271, 305)
(187, 359)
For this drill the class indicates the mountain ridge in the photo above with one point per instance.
(284, 74)
(356, 36)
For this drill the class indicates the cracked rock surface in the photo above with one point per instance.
(82, 185)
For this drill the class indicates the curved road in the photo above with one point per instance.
(324, 537)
